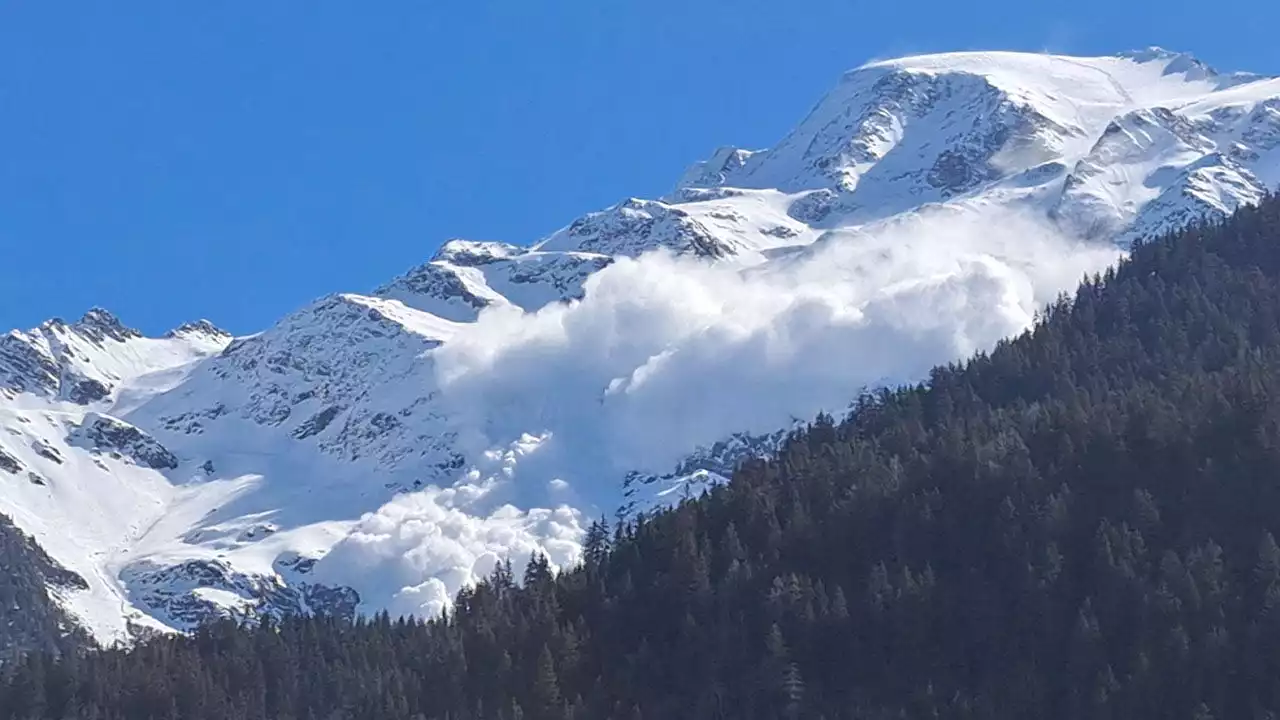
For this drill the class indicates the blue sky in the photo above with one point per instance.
(171, 161)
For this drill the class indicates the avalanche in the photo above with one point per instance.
(382, 450)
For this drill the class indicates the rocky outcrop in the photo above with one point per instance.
(199, 328)
(197, 591)
(117, 438)
(99, 325)
(84, 362)
(637, 226)
(26, 365)
(9, 463)
(451, 292)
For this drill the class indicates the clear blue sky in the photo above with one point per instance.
(233, 160)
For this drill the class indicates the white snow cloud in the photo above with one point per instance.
(665, 354)
(415, 553)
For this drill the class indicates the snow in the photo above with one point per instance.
(490, 402)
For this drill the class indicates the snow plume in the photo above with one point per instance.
(415, 553)
(663, 354)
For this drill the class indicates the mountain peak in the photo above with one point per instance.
(466, 253)
(200, 327)
(1152, 53)
(1175, 63)
(99, 323)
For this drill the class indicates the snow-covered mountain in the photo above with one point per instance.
(381, 450)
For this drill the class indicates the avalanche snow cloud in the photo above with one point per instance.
(663, 355)
(382, 450)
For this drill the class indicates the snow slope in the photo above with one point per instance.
(382, 450)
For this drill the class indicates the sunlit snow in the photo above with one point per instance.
(489, 404)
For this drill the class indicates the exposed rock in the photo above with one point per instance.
(99, 324)
(87, 390)
(716, 170)
(199, 327)
(9, 463)
(441, 289)
(317, 423)
(637, 226)
(103, 433)
(180, 594)
(47, 451)
(257, 532)
(814, 207)
(26, 365)
(190, 423)
(470, 253)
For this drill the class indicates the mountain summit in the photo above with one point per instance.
(381, 450)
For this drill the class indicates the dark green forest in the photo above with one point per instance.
(1079, 524)
(29, 619)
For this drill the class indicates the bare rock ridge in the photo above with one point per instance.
(103, 433)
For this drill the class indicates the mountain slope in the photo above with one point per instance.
(384, 450)
(1089, 510)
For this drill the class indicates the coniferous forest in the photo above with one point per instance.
(29, 620)
(1080, 524)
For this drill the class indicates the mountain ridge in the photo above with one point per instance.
(383, 450)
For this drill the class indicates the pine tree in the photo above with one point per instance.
(546, 688)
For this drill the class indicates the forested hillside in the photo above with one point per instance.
(29, 619)
(1080, 524)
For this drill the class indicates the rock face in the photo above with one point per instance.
(9, 463)
(1115, 148)
(326, 464)
(638, 226)
(196, 591)
(85, 361)
(105, 434)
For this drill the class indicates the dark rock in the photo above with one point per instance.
(435, 281)
(27, 367)
(87, 390)
(102, 433)
(812, 208)
(98, 325)
(47, 451)
(171, 591)
(199, 327)
(9, 463)
(317, 423)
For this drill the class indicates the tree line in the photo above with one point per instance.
(1080, 523)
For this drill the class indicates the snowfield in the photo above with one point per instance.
(383, 450)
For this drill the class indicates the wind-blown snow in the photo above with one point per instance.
(416, 552)
(666, 354)
(383, 450)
